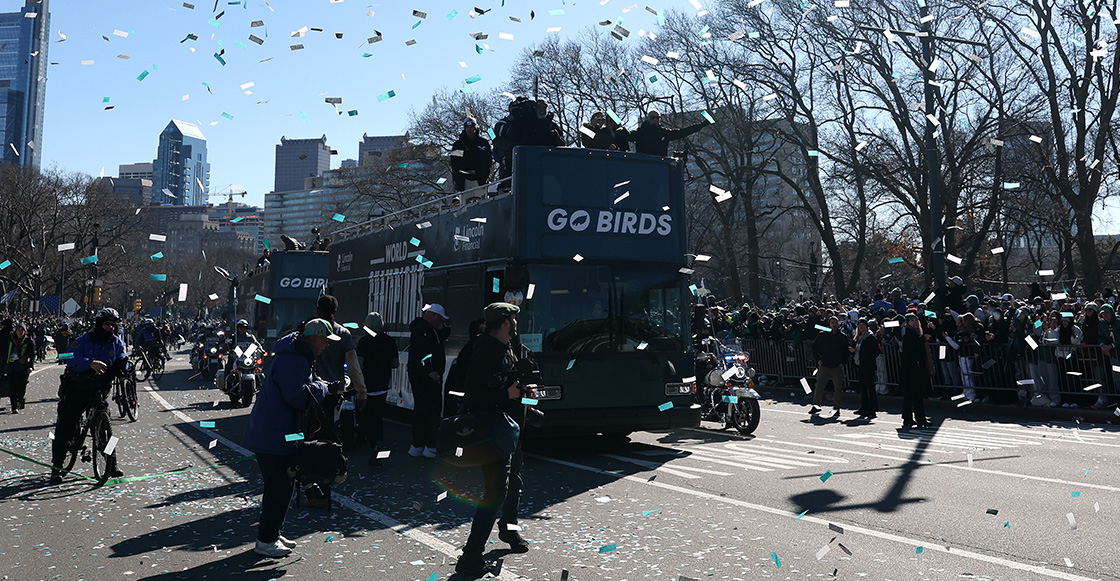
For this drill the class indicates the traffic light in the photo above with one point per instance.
(97, 294)
(136, 305)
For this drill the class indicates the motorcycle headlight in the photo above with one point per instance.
(213, 350)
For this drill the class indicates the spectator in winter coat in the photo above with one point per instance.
(654, 139)
(287, 389)
(19, 350)
(831, 352)
(866, 354)
(470, 158)
(539, 128)
(379, 357)
(426, 364)
(914, 379)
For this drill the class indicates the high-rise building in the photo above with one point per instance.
(24, 37)
(138, 191)
(299, 159)
(139, 171)
(374, 145)
(180, 173)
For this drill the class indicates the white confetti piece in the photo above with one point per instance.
(1072, 522)
(111, 445)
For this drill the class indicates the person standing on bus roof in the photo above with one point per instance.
(426, 364)
(654, 139)
(471, 157)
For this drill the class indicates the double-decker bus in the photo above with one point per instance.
(288, 286)
(590, 244)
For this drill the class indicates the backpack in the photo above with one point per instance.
(319, 458)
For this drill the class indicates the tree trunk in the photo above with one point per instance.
(1087, 249)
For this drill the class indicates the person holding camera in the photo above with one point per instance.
(291, 379)
(492, 385)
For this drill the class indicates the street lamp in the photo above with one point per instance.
(234, 282)
(36, 274)
(933, 154)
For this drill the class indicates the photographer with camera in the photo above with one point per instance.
(494, 383)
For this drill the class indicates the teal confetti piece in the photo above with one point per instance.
(339, 218)
(5, 264)
(478, 49)
(329, 538)
(1038, 323)
(417, 24)
(473, 79)
(157, 256)
(704, 30)
(1075, 494)
(608, 548)
(807, 512)
(403, 165)
(104, 99)
(386, 96)
(415, 241)
(426, 358)
(159, 277)
(529, 401)
(827, 474)
(773, 556)
(814, 153)
(366, 55)
(215, 23)
(556, 12)
(931, 314)
(65, 356)
(665, 406)
(570, 364)
(490, 132)
(352, 113)
(89, 260)
(653, 78)
(206, 424)
(433, 577)
(466, 90)
(220, 59)
(452, 14)
(144, 75)
(822, 329)
(693, 288)
(267, 244)
(730, 399)
(442, 181)
(303, 116)
(262, 299)
(227, 116)
(708, 116)
(614, 116)
(240, 44)
(918, 550)
(895, 260)
(236, 220)
(351, 325)
(649, 512)
(294, 438)
(497, 285)
(1006, 524)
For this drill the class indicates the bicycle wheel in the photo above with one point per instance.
(119, 395)
(158, 367)
(141, 370)
(131, 403)
(75, 448)
(100, 431)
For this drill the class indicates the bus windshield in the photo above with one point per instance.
(603, 309)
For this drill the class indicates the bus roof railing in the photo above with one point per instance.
(413, 213)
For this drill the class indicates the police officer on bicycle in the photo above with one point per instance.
(98, 357)
(150, 339)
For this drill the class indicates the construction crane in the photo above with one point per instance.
(230, 192)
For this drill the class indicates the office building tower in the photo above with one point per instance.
(140, 171)
(371, 147)
(180, 173)
(299, 159)
(24, 37)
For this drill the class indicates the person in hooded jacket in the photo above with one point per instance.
(427, 362)
(379, 359)
(654, 139)
(20, 352)
(288, 389)
(471, 158)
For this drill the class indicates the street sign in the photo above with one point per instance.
(70, 307)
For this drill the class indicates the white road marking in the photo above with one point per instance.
(927, 545)
(678, 471)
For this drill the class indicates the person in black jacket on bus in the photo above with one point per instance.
(426, 365)
(654, 139)
(492, 386)
(471, 157)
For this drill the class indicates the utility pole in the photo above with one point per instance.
(933, 153)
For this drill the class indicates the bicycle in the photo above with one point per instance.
(159, 366)
(143, 368)
(124, 394)
(96, 425)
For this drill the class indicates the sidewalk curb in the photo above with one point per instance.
(949, 408)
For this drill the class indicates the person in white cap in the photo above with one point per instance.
(276, 414)
(426, 364)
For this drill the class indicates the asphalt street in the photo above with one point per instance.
(803, 498)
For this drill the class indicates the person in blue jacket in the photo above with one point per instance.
(96, 358)
(276, 413)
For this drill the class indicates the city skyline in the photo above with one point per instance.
(23, 55)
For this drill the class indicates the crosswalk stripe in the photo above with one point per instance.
(679, 471)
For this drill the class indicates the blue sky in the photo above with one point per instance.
(80, 135)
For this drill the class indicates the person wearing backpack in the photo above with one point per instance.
(275, 422)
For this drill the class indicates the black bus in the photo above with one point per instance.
(589, 243)
(277, 297)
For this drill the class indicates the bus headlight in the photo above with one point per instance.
(679, 388)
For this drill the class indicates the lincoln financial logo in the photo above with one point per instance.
(345, 261)
(608, 222)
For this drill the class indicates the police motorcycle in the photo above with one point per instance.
(725, 386)
(245, 380)
(212, 353)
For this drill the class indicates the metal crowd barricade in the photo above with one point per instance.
(1075, 374)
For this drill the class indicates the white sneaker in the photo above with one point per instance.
(287, 542)
(416, 451)
(276, 549)
(429, 452)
